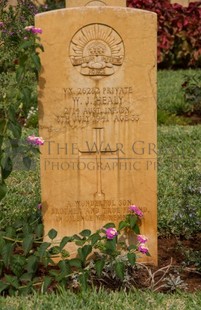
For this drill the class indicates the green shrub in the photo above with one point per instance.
(28, 263)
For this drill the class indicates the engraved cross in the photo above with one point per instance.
(99, 194)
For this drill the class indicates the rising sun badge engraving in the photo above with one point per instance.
(96, 50)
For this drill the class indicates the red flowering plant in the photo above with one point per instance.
(179, 28)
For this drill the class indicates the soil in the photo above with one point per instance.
(174, 271)
(173, 251)
(192, 118)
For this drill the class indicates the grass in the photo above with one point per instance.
(179, 167)
(171, 103)
(103, 300)
(170, 92)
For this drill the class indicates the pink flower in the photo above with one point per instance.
(143, 249)
(136, 210)
(39, 206)
(35, 140)
(142, 238)
(36, 30)
(111, 233)
(33, 29)
(1, 24)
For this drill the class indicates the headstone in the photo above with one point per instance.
(97, 110)
(182, 2)
(79, 3)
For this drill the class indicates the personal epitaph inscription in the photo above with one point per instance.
(97, 114)
(96, 50)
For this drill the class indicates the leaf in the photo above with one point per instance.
(133, 221)
(17, 265)
(52, 233)
(10, 232)
(1, 268)
(43, 248)
(108, 225)
(27, 162)
(110, 245)
(27, 229)
(15, 128)
(83, 280)
(2, 126)
(3, 190)
(36, 61)
(75, 262)
(64, 241)
(7, 167)
(19, 74)
(94, 238)
(25, 44)
(26, 277)
(32, 264)
(99, 265)
(80, 242)
(132, 247)
(64, 270)
(26, 92)
(46, 283)
(54, 250)
(2, 243)
(7, 252)
(85, 233)
(27, 243)
(12, 280)
(84, 251)
(131, 258)
(39, 230)
(76, 237)
(136, 229)
(119, 268)
(3, 286)
(122, 225)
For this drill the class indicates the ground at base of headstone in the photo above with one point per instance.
(179, 269)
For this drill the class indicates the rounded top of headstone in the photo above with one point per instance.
(81, 3)
(95, 3)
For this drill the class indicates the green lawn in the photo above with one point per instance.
(103, 300)
(170, 92)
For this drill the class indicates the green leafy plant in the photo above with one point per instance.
(27, 262)
(19, 68)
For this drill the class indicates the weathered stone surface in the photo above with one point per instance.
(97, 106)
